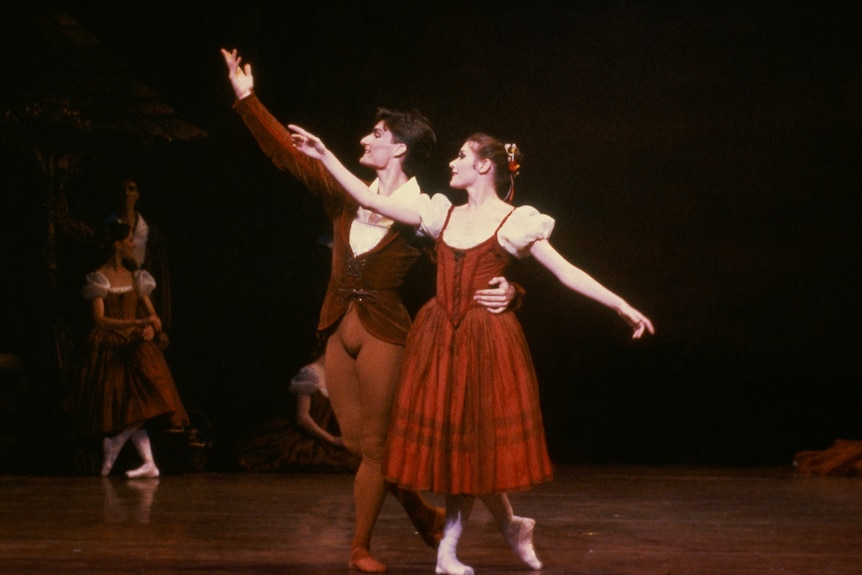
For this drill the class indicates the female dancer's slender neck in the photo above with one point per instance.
(482, 194)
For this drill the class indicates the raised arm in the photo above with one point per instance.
(240, 77)
(579, 281)
(399, 210)
(274, 139)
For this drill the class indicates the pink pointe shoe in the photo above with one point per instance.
(519, 534)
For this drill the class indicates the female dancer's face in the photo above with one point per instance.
(465, 168)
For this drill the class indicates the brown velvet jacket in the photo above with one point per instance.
(372, 280)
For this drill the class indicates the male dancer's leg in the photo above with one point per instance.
(362, 376)
(361, 373)
(379, 368)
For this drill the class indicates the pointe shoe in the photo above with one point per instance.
(459, 569)
(519, 534)
(361, 560)
(148, 469)
(456, 568)
(448, 563)
(109, 455)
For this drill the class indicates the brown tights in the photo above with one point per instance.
(362, 376)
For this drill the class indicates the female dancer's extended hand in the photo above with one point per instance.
(636, 319)
(306, 142)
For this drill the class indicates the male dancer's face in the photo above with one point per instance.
(379, 148)
(130, 193)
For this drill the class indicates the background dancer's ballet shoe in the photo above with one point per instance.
(148, 469)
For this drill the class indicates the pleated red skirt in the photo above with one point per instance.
(467, 418)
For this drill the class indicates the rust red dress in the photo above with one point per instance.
(467, 418)
(124, 379)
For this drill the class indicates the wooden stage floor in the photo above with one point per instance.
(592, 520)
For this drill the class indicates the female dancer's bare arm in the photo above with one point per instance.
(581, 282)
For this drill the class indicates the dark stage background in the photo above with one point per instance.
(702, 162)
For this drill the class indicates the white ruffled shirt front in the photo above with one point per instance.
(369, 227)
(524, 226)
(142, 235)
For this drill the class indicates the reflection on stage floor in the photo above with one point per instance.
(596, 520)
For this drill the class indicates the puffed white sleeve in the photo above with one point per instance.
(305, 382)
(525, 226)
(145, 283)
(432, 214)
(95, 285)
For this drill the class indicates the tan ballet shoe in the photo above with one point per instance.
(361, 560)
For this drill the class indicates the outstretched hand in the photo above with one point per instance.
(306, 142)
(240, 76)
(637, 320)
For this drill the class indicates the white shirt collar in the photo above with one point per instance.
(372, 226)
(408, 190)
